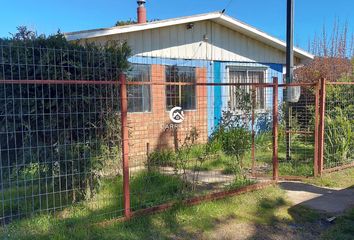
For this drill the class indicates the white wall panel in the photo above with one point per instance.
(177, 41)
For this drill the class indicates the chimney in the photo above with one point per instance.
(141, 11)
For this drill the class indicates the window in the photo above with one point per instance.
(179, 95)
(240, 75)
(139, 97)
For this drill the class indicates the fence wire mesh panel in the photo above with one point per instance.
(78, 138)
(297, 116)
(339, 125)
(195, 132)
(60, 142)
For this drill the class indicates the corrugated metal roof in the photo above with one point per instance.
(218, 17)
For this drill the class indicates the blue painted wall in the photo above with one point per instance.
(217, 95)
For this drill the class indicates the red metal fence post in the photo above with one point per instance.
(275, 130)
(316, 132)
(253, 152)
(125, 144)
(321, 125)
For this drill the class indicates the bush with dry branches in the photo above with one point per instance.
(334, 55)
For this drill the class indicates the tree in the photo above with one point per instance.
(333, 55)
(126, 22)
(23, 34)
(130, 22)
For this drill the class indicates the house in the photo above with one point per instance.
(210, 47)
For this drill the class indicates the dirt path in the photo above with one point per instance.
(329, 200)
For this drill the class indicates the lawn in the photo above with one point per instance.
(260, 215)
(340, 179)
(265, 213)
(147, 189)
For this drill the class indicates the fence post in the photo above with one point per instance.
(275, 130)
(316, 131)
(253, 152)
(125, 144)
(321, 125)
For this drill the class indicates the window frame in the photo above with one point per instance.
(248, 69)
(142, 86)
(194, 81)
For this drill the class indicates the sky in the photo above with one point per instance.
(267, 15)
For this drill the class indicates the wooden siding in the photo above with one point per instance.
(222, 44)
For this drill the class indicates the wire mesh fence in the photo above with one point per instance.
(297, 138)
(339, 122)
(60, 130)
(174, 157)
(78, 138)
(202, 134)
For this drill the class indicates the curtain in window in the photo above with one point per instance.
(245, 76)
(236, 77)
(258, 77)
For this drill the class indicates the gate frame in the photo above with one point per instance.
(321, 125)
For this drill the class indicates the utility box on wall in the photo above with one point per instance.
(292, 94)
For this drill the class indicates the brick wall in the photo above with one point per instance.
(152, 131)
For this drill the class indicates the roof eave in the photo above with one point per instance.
(261, 36)
(71, 36)
(214, 16)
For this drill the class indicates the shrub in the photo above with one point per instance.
(78, 144)
(339, 137)
(235, 142)
(163, 158)
(339, 124)
(233, 132)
